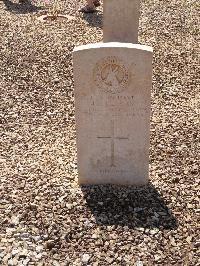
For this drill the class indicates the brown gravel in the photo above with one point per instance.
(45, 218)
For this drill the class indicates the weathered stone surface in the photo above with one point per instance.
(112, 100)
(121, 21)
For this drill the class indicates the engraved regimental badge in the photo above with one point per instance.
(111, 75)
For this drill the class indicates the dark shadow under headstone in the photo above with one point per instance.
(133, 207)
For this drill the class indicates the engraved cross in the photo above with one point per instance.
(113, 138)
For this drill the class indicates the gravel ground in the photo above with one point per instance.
(45, 217)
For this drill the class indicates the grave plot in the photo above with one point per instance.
(46, 217)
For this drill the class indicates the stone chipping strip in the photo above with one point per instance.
(45, 217)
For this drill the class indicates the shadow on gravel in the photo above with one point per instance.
(22, 7)
(132, 207)
(94, 19)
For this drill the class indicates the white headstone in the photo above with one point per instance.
(121, 21)
(112, 102)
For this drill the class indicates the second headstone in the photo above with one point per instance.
(121, 21)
